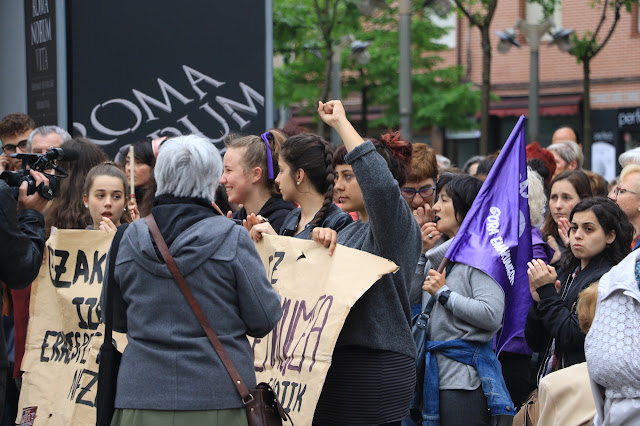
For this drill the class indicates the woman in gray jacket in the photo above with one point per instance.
(170, 373)
(469, 307)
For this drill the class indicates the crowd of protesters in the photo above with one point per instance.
(382, 195)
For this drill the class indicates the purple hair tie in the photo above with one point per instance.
(269, 157)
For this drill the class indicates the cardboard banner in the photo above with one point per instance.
(317, 293)
(65, 333)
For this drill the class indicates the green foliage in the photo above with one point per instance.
(439, 99)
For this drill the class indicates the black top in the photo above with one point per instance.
(335, 219)
(21, 248)
(275, 210)
(555, 317)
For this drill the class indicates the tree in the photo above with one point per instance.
(439, 98)
(585, 47)
(305, 34)
(480, 13)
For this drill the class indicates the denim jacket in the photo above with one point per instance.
(482, 358)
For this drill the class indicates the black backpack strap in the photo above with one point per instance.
(111, 284)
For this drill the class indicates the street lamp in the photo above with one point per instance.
(508, 38)
(534, 33)
(336, 83)
(561, 39)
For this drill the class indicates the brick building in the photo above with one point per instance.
(615, 79)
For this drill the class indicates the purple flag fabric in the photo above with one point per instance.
(495, 235)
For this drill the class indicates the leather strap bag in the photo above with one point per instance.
(529, 412)
(263, 407)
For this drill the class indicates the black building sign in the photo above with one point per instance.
(159, 68)
(40, 26)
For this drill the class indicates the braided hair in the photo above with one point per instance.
(312, 154)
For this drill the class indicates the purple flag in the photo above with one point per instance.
(495, 235)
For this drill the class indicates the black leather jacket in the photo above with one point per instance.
(555, 317)
(21, 248)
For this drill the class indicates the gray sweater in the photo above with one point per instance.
(381, 318)
(169, 364)
(476, 317)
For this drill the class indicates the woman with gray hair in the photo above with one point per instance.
(568, 156)
(170, 373)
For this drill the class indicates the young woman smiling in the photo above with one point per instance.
(250, 169)
(599, 237)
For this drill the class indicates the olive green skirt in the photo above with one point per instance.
(229, 417)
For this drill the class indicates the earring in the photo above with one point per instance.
(298, 183)
(86, 206)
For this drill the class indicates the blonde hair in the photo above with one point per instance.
(537, 197)
(586, 306)
(629, 170)
(256, 155)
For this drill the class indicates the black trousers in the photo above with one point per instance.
(516, 371)
(464, 408)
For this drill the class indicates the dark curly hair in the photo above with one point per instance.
(612, 219)
(15, 123)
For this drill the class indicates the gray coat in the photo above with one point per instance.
(476, 317)
(169, 364)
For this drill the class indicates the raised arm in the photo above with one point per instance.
(333, 114)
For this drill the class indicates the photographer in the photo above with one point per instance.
(21, 247)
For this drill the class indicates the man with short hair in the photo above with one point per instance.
(14, 132)
(44, 138)
(627, 196)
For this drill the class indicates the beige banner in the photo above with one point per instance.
(60, 370)
(317, 293)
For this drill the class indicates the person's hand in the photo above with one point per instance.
(563, 229)
(230, 214)
(132, 206)
(33, 201)
(434, 281)
(332, 113)
(107, 224)
(326, 237)
(253, 220)
(556, 249)
(5, 162)
(261, 228)
(424, 214)
(430, 235)
(540, 274)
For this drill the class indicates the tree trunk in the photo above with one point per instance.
(486, 90)
(324, 97)
(586, 105)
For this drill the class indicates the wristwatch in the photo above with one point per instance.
(444, 297)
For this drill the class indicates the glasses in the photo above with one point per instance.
(11, 149)
(410, 193)
(621, 190)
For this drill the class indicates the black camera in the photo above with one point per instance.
(41, 163)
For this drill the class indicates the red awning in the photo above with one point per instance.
(549, 105)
